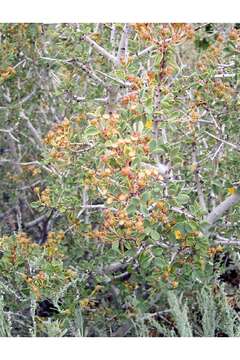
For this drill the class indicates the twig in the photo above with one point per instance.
(143, 52)
(236, 147)
(212, 157)
(100, 49)
(23, 100)
(123, 44)
(35, 134)
(85, 203)
(218, 211)
(224, 76)
(35, 221)
(224, 241)
(94, 207)
(112, 38)
(197, 179)
(117, 266)
(9, 132)
(161, 168)
(89, 72)
(124, 83)
(183, 212)
(123, 330)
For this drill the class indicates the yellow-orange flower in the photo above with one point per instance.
(178, 234)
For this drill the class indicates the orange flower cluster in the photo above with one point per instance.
(130, 98)
(23, 247)
(58, 137)
(127, 171)
(234, 34)
(177, 32)
(45, 197)
(135, 81)
(123, 150)
(5, 74)
(222, 90)
(166, 273)
(143, 30)
(100, 235)
(143, 178)
(182, 30)
(22, 239)
(215, 250)
(151, 76)
(107, 124)
(215, 52)
(194, 115)
(36, 282)
(70, 274)
(55, 237)
(168, 71)
(112, 119)
(160, 214)
(33, 169)
(34, 288)
(120, 218)
(52, 243)
(201, 66)
(105, 173)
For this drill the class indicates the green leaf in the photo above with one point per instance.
(115, 247)
(152, 145)
(91, 131)
(143, 209)
(146, 196)
(155, 235)
(145, 260)
(138, 126)
(157, 251)
(147, 230)
(182, 199)
(149, 110)
(133, 205)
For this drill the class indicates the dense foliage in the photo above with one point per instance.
(119, 162)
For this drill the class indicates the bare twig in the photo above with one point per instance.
(123, 45)
(9, 132)
(225, 241)
(85, 203)
(197, 179)
(144, 52)
(100, 49)
(36, 221)
(119, 81)
(161, 168)
(35, 134)
(113, 38)
(218, 211)
(236, 147)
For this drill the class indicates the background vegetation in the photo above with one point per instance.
(119, 163)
